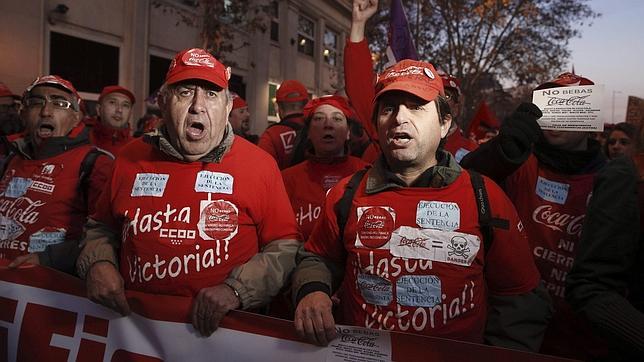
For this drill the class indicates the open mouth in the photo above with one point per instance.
(400, 138)
(45, 130)
(328, 137)
(195, 130)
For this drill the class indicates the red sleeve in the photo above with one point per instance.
(266, 143)
(359, 82)
(98, 182)
(102, 210)
(277, 220)
(324, 239)
(510, 267)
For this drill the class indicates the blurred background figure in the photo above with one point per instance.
(621, 141)
(239, 118)
(9, 107)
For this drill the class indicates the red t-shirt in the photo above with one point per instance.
(279, 140)
(459, 146)
(40, 203)
(415, 258)
(552, 207)
(186, 225)
(307, 184)
(108, 138)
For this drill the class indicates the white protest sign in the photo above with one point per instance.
(571, 108)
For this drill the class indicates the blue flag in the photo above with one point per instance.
(400, 40)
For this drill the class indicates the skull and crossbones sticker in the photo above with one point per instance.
(458, 247)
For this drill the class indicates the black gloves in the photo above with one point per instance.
(520, 130)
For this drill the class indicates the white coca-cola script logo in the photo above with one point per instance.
(198, 57)
(22, 209)
(558, 221)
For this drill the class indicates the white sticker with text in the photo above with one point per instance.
(552, 191)
(575, 108)
(438, 215)
(215, 182)
(149, 184)
(441, 246)
(17, 187)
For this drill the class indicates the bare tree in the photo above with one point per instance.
(516, 42)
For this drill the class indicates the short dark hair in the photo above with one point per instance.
(291, 106)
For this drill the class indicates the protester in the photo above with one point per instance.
(10, 122)
(621, 141)
(111, 130)
(456, 144)
(548, 176)
(194, 211)
(455, 275)
(327, 159)
(51, 179)
(607, 273)
(239, 119)
(279, 139)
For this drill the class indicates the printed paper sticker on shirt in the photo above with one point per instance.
(374, 289)
(374, 227)
(438, 215)
(441, 246)
(460, 153)
(215, 182)
(218, 220)
(552, 191)
(418, 290)
(44, 237)
(149, 184)
(17, 187)
(10, 229)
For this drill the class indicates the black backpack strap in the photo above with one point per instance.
(343, 206)
(85, 170)
(486, 220)
(5, 163)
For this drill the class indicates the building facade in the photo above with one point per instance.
(131, 42)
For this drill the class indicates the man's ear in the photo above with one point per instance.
(445, 126)
(98, 109)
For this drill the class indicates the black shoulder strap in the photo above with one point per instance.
(486, 221)
(5, 163)
(86, 167)
(343, 206)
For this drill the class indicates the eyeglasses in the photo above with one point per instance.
(41, 101)
(622, 141)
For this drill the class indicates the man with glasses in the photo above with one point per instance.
(50, 179)
(195, 211)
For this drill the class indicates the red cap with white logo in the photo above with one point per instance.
(411, 76)
(566, 80)
(197, 63)
(55, 81)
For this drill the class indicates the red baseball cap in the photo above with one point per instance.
(238, 102)
(450, 81)
(566, 80)
(117, 89)
(197, 63)
(6, 92)
(55, 81)
(338, 102)
(291, 91)
(411, 76)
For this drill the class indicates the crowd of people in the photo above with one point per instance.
(372, 210)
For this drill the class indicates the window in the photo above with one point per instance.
(275, 24)
(330, 47)
(87, 64)
(306, 36)
(272, 110)
(158, 69)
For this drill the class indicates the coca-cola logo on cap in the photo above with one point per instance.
(198, 58)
